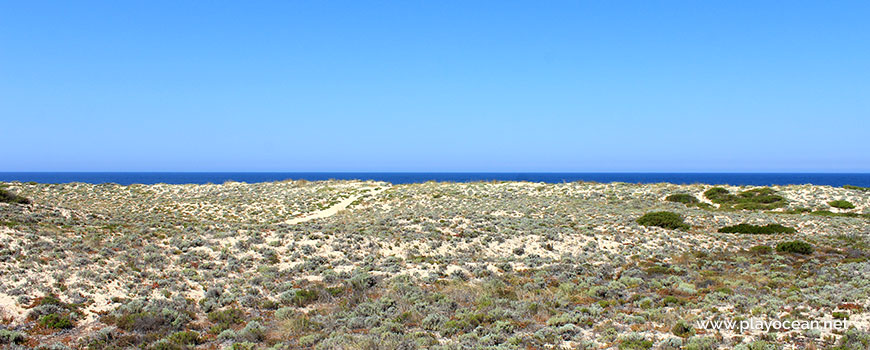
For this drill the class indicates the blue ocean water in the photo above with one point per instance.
(756, 179)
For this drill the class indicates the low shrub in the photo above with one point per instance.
(662, 270)
(185, 338)
(841, 204)
(9, 197)
(757, 230)
(50, 312)
(797, 247)
(56, 321)
(634, 341)
(303, 297)
(848, 215)
(11, 337)
(761, 249)
(154, 315)
(839, 315)
(853, 339)
(225, 319)
(671, 300)
(683, 330)
(858, 188)
(754, 199)
(663, 219)
(142, 322)
(701, 343)
(682, 198)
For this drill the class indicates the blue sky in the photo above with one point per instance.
(435, 86)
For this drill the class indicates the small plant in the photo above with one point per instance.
(303, 297)
(682, 198)
(841, 204)
(185, 338)
(754, 199)
(853, 339)
(796, 247)
(634, 341)
(761, 249)
(838, 315)
(663, 219)
(56, 321)
(225, 319)
(11, 337)
(858, 188)
(671, 300)
(9, 197)
(683, 330)
(757, 230)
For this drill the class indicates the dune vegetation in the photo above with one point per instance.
(483, 265)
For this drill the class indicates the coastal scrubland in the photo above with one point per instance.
(484, 265)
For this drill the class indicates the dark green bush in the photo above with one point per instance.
(185, 338)
(841, 204)
(56, 321)
(848, 215)
(661, 270)
(159, 316)
(683, 330)
(761, 249)
(853, 339)
(754, 199)
(682, 198)
(225, 319)
(11, 337)
(718, 195)
(142, 322)
(663, 219)
(9, 197)
(757, 230)
(850, 187)
(635, 344)
(304, 296)
(797, 247)
(671, 300)
(839, 315)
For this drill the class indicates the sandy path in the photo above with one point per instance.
(335, 208)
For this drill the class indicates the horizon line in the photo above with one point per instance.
(439, 172)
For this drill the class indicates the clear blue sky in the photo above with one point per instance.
(435, 86)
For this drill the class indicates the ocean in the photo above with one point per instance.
(754, 179)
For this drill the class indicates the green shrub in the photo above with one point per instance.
(634, 341)
(682, 198)
(848, 215)
(701, 343)
(761, 249)
(683, 330)
(185, 338)
(757, 230)
(160, 316)
(853, 339)
(9, 197)
(797, 247)
(671, 300)
(850, 187)
(662, 270)
(225, 319)
(841, 204)
(663, 219)
(56, 321)
(838, 315)
(754, 199)
(11, 337)
(142, 322)
(304, 296)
